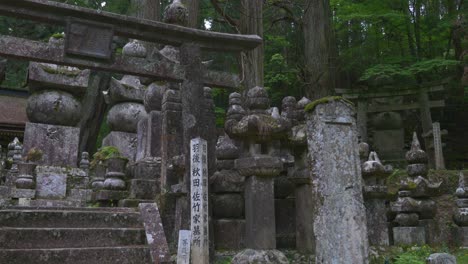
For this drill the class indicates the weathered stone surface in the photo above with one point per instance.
(305, 240)
(108, 195)
(227, 181)
(260, 213)
(129, 89)
(154, 96)
(148, 169)
(285, 219)
(51, 182)
(228, 206)
(134, 48)
(418, 169)
(229, 234)
(5, 192)
(125, 142)
(23, 193)
(59, 144)
(80, 195)
(441, 258)
(409, 235)
(224, 164)
(377, 226)
(53, 108)
(144, 189)
(339, 212)
(407, 219)
(65, 78)
(260, 166)
(154, 232)
(283, 187)
(251, 256)
(124, 117)
(226, 149)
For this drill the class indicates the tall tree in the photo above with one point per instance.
(193, 7)
(317, 48)
(251, 23)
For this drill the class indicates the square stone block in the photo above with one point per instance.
(80, 195)
(107, 195)
(409, 235)
(148, 169)
(144, 189)
(229, 234)
(51, 182)
(59, 144)
(23, 193)
(5, 192)
(125, 142)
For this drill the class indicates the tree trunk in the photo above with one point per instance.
(417, 27)
(317, 49)
(147, 9)
(193, 8)
(251, 22)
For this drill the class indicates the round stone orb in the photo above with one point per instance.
(257, 98)
(124, 117)
(53, 108)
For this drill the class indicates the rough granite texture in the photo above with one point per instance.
(59, 144)
(125, 142)
(51, 182)
(339, 212)
(154, 232)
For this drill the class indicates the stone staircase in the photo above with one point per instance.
(72, 236)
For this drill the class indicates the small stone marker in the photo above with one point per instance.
(183, 249)
(439, 155)
(199, 200)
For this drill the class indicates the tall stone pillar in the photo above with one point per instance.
(461, 215)
(259, 165)
(54, 110)
(375, 194)
(300, 175)
(339, 212)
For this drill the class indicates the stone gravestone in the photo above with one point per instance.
(439, 155)
(183, 249)
(199, 200)
(339, 213)
(155, 233)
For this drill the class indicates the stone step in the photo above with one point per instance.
(70, 218)
(35, 238)
(102, 255)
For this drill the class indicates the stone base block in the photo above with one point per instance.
(108, 195)
(125, 142)
(260, 256)
(5, 192)
(229, 205)
(56, 203)
(23, 193)
(463, 235)
(51, 182)
(59, 144)
(285, 215)
(409, 235)
(131, 202)
(77, 182)
(148, 169)
(84, 195)
(10, 179)
(144, 189)
(228, 181)
(229, 234)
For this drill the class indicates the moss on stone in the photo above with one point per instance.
(58, 36)
(311, 106)
(63, 70)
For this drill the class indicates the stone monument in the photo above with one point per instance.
(339, 215)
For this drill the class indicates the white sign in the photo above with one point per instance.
(183, 249)
(199, 200)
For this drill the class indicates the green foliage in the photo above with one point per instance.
(34, 154)
(220, 116)
(105, 153)
(415, 255)
(434, 68)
